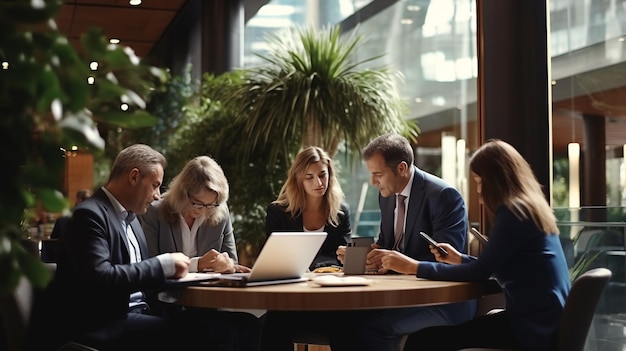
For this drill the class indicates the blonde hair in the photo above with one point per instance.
(201, 172)
(507, 179)
(292, 194)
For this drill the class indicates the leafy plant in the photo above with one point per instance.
(210, 128)
(47, 104)
(312, 88)
(583, 264)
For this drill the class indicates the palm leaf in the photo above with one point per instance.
(310, 87)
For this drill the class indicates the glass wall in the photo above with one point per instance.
(433, 45)
(589, 115)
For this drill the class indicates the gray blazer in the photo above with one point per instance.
(165, 237)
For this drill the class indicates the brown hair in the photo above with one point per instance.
(394, 148)
(507, 179)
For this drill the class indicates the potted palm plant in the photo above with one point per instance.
(312, 88)
(51, 98)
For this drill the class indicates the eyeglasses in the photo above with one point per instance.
(199, 205)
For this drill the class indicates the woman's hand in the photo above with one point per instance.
(453, 256)
(242, 269)
(216, 262)
(341, 253)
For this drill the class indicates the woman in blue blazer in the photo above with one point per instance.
(524, 254)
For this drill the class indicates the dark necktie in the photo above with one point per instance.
(399, 228)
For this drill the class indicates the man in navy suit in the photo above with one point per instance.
(432, 207)
(103, 260)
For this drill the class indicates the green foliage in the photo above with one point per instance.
(583, 264)
(46, 106)
(168, 106)
(312, 88)
(210, 128)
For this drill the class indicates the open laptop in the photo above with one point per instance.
(284, 258)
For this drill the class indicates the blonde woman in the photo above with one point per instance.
(192, 217)
(312, 200)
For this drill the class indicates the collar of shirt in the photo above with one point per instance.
(121, 212)
(188, 235)
(407, 189)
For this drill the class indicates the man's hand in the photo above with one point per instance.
(181, 263)
(391, 260)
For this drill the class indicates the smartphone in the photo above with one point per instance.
(430, 240)
(483, 239)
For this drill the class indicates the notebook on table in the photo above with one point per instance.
(284, 258)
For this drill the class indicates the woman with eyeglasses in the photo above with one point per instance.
(192, 217)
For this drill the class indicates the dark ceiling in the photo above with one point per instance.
(140, 27)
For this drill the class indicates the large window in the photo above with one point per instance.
(433, 45)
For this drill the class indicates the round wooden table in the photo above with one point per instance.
(384, 291)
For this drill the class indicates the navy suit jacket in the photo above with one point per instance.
(435, 208)
(94, 275)
(278, 220)
(165, 237)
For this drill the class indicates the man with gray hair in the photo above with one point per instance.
(103, 261)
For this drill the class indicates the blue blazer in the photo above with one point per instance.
(163, 236)
(530, 267)
(94, 276)
(278, 220)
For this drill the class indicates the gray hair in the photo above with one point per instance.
(139, 156)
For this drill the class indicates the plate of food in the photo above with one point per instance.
(328, 269)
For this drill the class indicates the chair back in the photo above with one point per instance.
(579, 309)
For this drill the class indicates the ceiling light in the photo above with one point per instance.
(5, 65)
(124, 107)
(93, 66)
(91, 80)
(135, 2)
(406, 21)
(114, 41)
